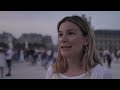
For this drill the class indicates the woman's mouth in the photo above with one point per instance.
(66, 48)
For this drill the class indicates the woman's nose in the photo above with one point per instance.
(64, 38)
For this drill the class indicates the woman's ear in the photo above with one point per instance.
(86, 40)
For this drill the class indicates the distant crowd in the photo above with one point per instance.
(109, 56)
(32, 55)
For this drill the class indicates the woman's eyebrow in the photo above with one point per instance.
(71, 30)
(68, 30)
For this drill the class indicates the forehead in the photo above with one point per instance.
(68, 26)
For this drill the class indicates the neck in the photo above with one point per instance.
(74, 68)
(74, 63)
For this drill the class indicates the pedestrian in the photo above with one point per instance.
(9, 56)
(21, 56)
(2, 61)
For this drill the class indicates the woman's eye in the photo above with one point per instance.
(71, 33)
(60, 34)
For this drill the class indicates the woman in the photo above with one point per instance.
(77, 57)
(2, 61)
(22, 59)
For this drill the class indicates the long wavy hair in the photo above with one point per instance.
(89, 54)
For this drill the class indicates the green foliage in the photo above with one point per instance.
(3, 45)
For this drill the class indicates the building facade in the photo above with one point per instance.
(107, 39)
(7, 38)
(33, 38)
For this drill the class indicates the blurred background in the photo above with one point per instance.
(32, 38)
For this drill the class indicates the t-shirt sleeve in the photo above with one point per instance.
(49, 73)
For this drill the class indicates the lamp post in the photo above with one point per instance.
(10, 44)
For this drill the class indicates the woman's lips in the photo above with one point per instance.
(66, 48)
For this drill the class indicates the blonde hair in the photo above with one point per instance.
(90, 57)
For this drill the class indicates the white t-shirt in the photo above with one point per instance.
(98, 72)
(9, 54)
(49, 52)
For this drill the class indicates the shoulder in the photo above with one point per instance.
(100, 72)
(49, 72)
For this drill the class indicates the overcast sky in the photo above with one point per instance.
(45, 22)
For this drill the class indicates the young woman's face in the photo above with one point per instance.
(70, 39)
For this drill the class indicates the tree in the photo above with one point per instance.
(4, 45)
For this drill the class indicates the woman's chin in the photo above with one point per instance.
(66, 54)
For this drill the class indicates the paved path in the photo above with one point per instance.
(115, 69)
(27, 71)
